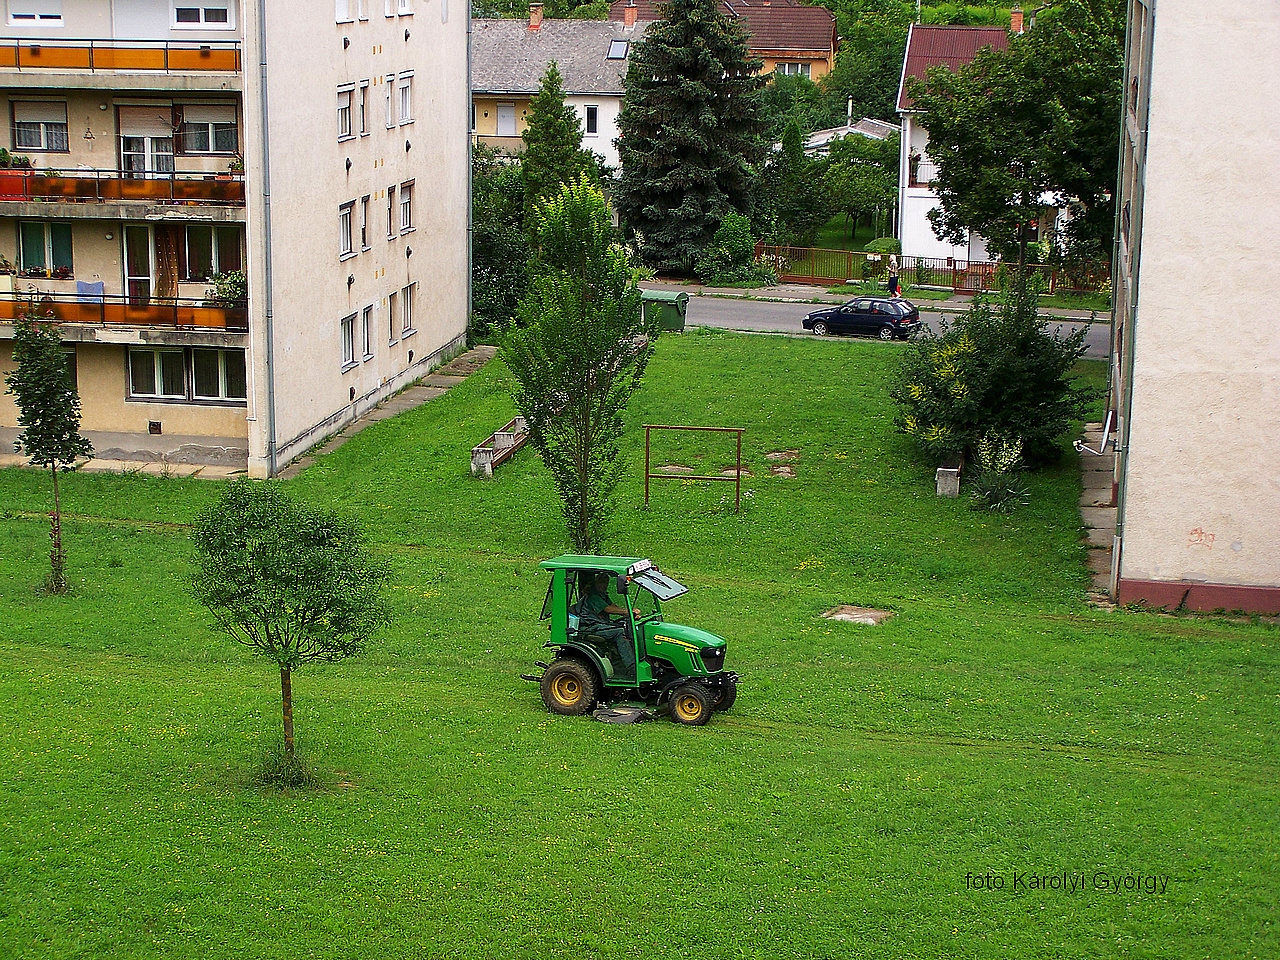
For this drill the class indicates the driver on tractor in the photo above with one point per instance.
(596, 613)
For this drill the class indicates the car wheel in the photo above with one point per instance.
(691, 705)
(725, 695)
(568, 688)
(886, 333)
(820, 328)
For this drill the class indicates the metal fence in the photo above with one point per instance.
(828, 267)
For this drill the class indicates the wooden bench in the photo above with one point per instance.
(499, 448)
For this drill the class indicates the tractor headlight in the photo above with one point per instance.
(713, 659)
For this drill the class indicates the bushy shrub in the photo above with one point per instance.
(997, 371)
(884, 245)
(729, 256)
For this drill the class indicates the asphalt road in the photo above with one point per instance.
(768, 316)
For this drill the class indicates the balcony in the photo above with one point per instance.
(97, 310)
(923, 173)
(159, 56)
(96, 186)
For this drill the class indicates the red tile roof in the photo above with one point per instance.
(952, 47)
(771, 24)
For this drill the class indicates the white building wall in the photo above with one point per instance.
(312, 174)
(914, 203)
(1200, 499)
(607, 108)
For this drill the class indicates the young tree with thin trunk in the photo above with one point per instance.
(49, 414)
(578, 354)
(296, 584)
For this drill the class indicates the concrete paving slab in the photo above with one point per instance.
(442, 380)
(1100, 537)
(1096, 497)
(1098, 517)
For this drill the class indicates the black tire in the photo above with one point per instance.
(886, 333)
(820, 328)
(724, 695)
(568, 688)
(691, 704)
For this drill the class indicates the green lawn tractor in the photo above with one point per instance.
(611, 643)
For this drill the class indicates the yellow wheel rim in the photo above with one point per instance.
(567, 689)
(688, 707)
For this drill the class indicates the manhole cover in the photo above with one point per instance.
(863, 615)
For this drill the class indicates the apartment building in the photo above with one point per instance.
(1195, 343)
(250, 217)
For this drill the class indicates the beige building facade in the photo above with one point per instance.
(250, 217)
(1196, 347)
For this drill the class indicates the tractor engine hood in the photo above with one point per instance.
(690, 638)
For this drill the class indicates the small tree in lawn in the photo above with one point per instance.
(579, 354)
(49, 414)
(553, 154)
(294, 583)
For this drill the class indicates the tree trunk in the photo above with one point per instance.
(286, 699)
(57, 558)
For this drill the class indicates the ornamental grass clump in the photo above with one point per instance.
(996, 372)
(996, 485)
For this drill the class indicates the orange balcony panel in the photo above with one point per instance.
(181, 314)
(54, 58)
(100, 185)
(128, 58)
(205, 58)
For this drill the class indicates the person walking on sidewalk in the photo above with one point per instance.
(893, 275)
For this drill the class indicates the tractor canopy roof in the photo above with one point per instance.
(628, 565)
(639, 570)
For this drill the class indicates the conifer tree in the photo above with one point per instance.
(553, 154)
(689, 132)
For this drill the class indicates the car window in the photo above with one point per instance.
(862, 306)
(890, 308)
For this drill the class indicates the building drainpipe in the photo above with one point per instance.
(272, 464)
(470, 177)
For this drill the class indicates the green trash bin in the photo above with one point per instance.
(668, 306)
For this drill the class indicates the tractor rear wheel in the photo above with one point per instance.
(725, 695)
(691, 704)
(568, 688)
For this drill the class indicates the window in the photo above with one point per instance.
(344, 114)
(217, 374)
(406, 8)
(405, 86)
(45, 249)
(342, 11)
(407, 296)
(391, 316)
(207, 128)
(35, 13)
(362, 9)
(345, 248)
(210, 15)
(348, 340)
(593, 121)
(364, 223)
(158, 374)
(406, 207)
(389, 7)
(205, 249)
(366, 335)
(792, 69)
(391, 106)
(391, 212)
(363, 110)
(40, 125)
(617, 50)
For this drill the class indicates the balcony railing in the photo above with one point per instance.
(923, 173)
(162, 56)
(97, 310)
(100, 185)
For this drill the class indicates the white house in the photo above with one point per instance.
(930, 46)
(509, 58)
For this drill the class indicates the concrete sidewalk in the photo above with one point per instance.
(804, 293)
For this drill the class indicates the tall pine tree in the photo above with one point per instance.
(553, 154)
(689, 132)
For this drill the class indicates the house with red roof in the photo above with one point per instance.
(932, 46)
(789, 36)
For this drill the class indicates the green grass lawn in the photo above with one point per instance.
(834, 234)
(996, 724)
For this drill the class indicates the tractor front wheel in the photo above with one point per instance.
(568, 688)
(691, 704)
(725, 695)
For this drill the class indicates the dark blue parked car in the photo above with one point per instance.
(883, 317)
